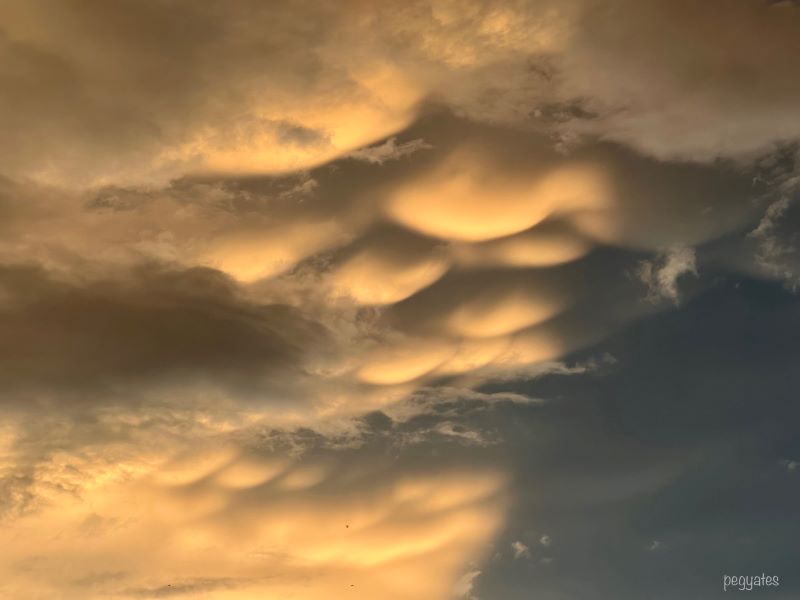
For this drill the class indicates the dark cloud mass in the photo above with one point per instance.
(149, 325)
(427, 300)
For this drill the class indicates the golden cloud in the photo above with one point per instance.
(155, 525)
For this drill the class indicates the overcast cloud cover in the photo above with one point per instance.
(421, 300)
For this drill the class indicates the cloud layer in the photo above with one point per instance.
(242, 88)
(255, 259)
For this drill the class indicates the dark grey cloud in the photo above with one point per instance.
(152, 325)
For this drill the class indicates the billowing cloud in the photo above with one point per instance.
(145, 522)
(265, 269)
(685, 80)
(235, 87)
(312, 276)
(468, 188)
(175, 103)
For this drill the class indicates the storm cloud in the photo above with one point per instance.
(327, 299)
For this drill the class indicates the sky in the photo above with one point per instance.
(420, 300)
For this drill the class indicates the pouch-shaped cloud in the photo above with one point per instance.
(259, 253)
(226, 95)
(500, 312)
(243, 88)
(484, 303)
(248, 472)
(376, 102)
(473, 354)
(469, 197)
(534, 346)
(405, 361)
(229, 305)
(190, 467)
(506, 358)
(227, 466)
(543, 246)
(381, 276)
(359, 530)
(463, 300)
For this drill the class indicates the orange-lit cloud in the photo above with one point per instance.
(459, 200)
(536, 248)
(235, 236)
(229, 524)
(373, 277)
(242, 88)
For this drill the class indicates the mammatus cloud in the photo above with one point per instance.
(217, 87)
(242, 243)
(245, 279)
(144, 511)
(153, 322)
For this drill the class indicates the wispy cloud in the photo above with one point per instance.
(388, 150)
(466, 584)
(662, 273)
(520, 550)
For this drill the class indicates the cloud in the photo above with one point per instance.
(666, 88)
(365, 311)
(148, 327)
(226, 96)
(768, 222)
(776, 253)
(205, 106)
(549, 244)
(307, 296)
(661, 274)
(387, 267)
(465, 585)
(331, 524)
(520, 550)
(388, 150)
(193, 586)
(462, 182)
(227, 299)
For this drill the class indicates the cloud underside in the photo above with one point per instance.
(187, 514)
(242, 243)
(243, 88)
